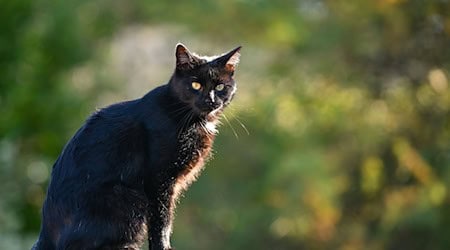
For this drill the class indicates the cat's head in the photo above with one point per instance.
(203, 83)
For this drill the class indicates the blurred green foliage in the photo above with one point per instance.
(346, 103)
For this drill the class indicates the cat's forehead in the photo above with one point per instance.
(208, 71)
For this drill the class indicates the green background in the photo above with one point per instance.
(338, 138)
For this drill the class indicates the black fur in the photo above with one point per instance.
(117, 180)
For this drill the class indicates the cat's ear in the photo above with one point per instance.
(230, 60)
(185, 59)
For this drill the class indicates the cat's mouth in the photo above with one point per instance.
(216, 111)
(209, 112)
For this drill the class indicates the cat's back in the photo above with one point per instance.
(99, 166)
(101, 146)
(110, 135)
(113, 140)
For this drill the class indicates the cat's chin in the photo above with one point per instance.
(211, 115)
(208, 115)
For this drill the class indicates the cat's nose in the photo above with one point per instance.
(208, 106)
(211, 104)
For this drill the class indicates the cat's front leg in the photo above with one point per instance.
(160, 224)
(160, 217)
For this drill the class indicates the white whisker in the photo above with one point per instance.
(231, 126)
(242, 125)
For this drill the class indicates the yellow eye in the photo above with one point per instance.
(196, 85)
(220, 87)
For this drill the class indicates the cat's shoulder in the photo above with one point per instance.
(126, 117)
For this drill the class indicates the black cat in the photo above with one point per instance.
(117, 180)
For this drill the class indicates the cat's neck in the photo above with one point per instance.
(166, 99)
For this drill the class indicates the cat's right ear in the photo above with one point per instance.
(185, 60)
(229, 60)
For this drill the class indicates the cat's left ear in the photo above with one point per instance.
(230, 60)
(185, 59)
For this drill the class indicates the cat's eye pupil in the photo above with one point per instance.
(196, 85)
(220, 87)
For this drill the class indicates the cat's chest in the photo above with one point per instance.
(194, 148)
